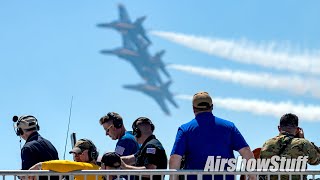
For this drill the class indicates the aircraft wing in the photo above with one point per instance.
(162, 104)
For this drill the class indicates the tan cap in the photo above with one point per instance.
(27, 122)
(202, 100)
(81, 145)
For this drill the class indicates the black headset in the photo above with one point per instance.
(92, 151)
(136, 130)
(117, 122)
(18, 120)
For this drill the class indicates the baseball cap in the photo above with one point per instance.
(202, 100)
(27, 122)
(111, 159)
(81, 145)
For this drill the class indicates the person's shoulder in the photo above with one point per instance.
(272, 140)
(154, 143)
(127, 136)
(301, 142)
(224, 122)
(188, 124)
(270, 147)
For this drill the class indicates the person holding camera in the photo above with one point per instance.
(290, 143)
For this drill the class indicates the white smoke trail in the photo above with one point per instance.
(249, 53)
(309, 113)
(294, 84)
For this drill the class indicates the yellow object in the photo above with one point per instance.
(68, 166)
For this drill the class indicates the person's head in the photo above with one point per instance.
(202, 102)
(289, 123)
(110, 161)
(84, 151)
(113, 125)
(142, 129)
(25, 125)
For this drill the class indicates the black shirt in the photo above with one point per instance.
(37, 149)
(152, 152)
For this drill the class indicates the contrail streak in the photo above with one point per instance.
(309, 113)
(248, 53)
(293, 83)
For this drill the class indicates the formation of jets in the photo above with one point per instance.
(134, 50)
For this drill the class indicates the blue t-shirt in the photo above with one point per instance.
(127, 145)
(204, 136)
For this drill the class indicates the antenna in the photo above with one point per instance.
(65, 146)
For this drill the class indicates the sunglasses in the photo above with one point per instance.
(77, 154)
(108, 129)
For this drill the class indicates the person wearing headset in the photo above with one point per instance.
(85, 156)
(36, 148)
(151, 154)
(113, 125)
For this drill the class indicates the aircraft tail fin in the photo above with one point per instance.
(140, 20)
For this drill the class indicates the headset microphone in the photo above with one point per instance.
(15, 118)
(19, 130)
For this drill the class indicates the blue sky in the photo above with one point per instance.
(50, 52)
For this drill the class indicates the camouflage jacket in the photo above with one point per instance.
(288, 146)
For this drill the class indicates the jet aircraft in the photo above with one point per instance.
(146, 72)
(124, 25)
(134, 50)
(158, 93)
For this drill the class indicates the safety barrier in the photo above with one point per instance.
(97, 174)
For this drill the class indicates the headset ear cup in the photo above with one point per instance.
(138, 133)
(38, 127)
(19, 132)
(117, 123)
(152, 127)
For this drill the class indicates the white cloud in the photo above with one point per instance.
(249, 53)
(293, 83)
(309, 113)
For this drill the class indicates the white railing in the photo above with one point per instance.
(15, 174)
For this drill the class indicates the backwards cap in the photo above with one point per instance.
(27, 122)
(202, 100)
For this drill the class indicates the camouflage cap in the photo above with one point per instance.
(111, 159)
(27, 122)
(81, 145)
(202, 100)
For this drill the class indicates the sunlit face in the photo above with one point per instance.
(110, 130)
(81, 157)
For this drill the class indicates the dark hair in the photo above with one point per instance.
(289, 120)
(111, 159)
(111, 116)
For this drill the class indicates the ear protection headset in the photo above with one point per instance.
(92, 151)
(22, 119)
(117, 122)
(136, 130)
